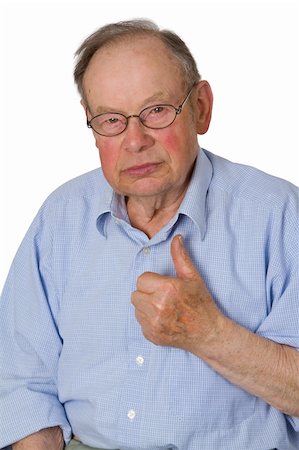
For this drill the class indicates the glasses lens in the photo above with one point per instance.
(159, 116)
(109, 124)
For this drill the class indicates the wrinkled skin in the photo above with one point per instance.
(176, 311)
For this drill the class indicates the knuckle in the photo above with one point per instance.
(140, 281)
(170, 287)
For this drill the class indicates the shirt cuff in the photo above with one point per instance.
(25, 412)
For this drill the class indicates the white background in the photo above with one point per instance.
(248, 50)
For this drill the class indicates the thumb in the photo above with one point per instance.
(182, 262)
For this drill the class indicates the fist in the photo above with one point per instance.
(176, 311)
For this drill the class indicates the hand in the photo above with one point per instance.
(177, 311)
(46, 439)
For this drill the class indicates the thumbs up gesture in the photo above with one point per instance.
(176, 311)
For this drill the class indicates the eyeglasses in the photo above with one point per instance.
(155, 117)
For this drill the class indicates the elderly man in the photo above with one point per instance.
(153, 304)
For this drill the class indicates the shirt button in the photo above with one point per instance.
(139, 360)
(146, 250)
(131, 414)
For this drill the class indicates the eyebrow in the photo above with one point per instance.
(147, 102)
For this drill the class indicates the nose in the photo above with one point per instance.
(136, 136)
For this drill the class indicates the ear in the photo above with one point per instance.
(85, 107)
(203, 99)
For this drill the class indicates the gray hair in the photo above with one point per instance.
(120, 31)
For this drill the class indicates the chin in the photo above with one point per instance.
(149, 191)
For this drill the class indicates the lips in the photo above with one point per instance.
(142, 169)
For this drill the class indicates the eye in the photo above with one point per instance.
(112, 120)
(157, 110)
(154, 113)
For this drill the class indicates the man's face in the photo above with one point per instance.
(128, 77)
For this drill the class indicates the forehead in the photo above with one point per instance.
(139, 63)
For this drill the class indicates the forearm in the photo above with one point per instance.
(47, 439)
(260, 366)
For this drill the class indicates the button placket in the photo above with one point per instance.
(138, 350)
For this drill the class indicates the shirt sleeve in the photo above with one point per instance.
(30, 344)
(282, 282)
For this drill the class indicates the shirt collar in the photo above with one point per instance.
(193, 205)
(104, 205)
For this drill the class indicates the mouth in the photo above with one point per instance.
(142, 169)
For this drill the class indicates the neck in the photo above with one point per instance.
(150, 215)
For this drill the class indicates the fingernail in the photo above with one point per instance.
(181, 241)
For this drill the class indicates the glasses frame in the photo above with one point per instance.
(177, 110)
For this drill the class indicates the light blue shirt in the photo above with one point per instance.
(72, 352)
